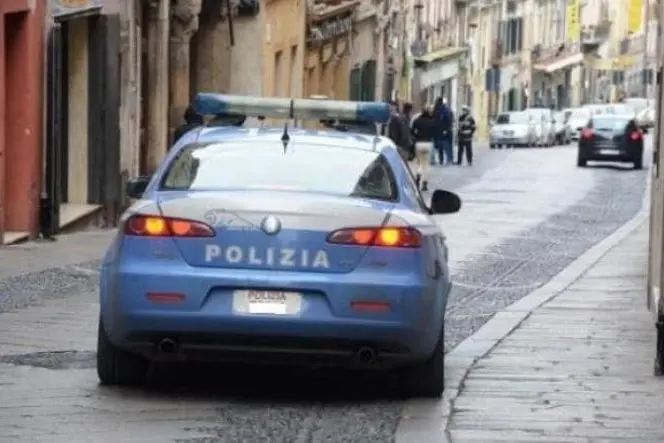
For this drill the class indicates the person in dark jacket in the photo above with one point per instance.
(466, 130)
(191, 120)
(398, 132)
(424, 133)
(445, 120)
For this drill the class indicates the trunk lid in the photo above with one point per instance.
(282, 231)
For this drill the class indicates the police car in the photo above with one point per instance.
(279, 246)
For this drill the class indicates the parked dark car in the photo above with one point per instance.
(609, 137)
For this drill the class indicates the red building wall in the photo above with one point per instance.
(21, 113)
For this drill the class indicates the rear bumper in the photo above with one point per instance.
(509, 140)
(325, 331)
(616, 153)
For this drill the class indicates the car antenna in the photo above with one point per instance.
(285, 137)
(376, 138)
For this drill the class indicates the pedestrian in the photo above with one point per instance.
(466, 130)
(192, 120)
(424, 132)
(443, 141)
(398, 131)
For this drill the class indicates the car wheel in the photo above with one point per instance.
(581, 162)
(492, 146)
(426, 379)
(116, 366)
(638, 163)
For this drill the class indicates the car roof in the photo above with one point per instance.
(351, 140)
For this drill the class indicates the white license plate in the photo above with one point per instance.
(609, 151)
(266, 302)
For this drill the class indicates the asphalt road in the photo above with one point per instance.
(527, 214)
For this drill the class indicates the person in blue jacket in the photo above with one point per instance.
(443, 141)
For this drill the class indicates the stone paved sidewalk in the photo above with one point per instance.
(578, 369)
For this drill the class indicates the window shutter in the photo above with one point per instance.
(368, 81)
(355, 84)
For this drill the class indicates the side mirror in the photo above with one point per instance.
(445, 202)
(136, 186)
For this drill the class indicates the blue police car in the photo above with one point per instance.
(279, 246)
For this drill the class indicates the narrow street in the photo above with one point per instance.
(527, 214)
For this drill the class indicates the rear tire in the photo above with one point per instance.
(638, 162)
(426, 379)
(581, 162)
(116, 367)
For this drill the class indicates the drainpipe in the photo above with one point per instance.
(646, 33)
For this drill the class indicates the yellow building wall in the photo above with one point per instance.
(283, 50)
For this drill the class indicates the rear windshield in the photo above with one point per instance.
(265, 166)
(609, 123)
(512, 117)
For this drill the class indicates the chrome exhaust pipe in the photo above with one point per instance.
(366, 355)
(167, 346)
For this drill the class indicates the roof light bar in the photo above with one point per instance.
(286, 108)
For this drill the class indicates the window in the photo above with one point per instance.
(292, 72)
(276, 87)
(363, 82)
(263, 165)
(513, 117)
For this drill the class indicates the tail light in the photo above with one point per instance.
(155, 226)
(385, 237)
(636, 135)
(586, 133)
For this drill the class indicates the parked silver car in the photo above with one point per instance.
(563, 131)
(577, 120)
(543, 122)
(512, 129)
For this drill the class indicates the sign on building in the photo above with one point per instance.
(61, 9)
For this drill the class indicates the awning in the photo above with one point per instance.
(559, 63)
(441, 54)
(63, 10)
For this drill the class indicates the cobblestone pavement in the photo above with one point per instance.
(516, 204)
(578, 369)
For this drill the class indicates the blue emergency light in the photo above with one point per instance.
(286, 108)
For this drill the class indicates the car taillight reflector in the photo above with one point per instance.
(155, 226)
(635, 135)
(385, 237)
(586, 133)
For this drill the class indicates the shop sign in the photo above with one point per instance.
(66, 8)
(327, 30)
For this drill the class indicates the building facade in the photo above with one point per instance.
(329, 39)
(284, 48)
(440, 44)
(21, 105)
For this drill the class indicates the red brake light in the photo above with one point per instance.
(385, 237)
(155, 226)
(636, 135)
(586, 133)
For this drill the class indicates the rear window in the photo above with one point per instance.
(513, 117)
(265, 166)
(609, 123)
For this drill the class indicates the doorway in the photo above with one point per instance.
(72, 92)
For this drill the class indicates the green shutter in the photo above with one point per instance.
(368, 81)
(355, 84)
